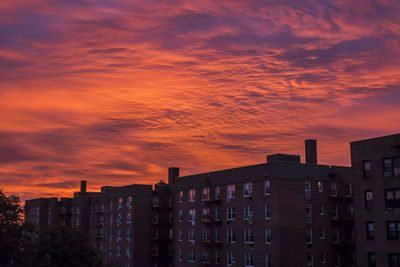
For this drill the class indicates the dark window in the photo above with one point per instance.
(392, 198)
(394, 259)
(368, 199)
(393, 230)
(391, 167)
(371, 259)
(367, 169)
(370, 230)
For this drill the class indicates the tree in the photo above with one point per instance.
(11, 229)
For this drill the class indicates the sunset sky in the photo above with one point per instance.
(117, 91)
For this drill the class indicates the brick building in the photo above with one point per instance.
(376, 176)
(279, 213)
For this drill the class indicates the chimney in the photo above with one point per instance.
(311, 151)
(83, 186)
(173, 172)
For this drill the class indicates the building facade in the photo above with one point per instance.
(376, 176)
(279, 213)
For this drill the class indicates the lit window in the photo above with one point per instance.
(180, 196)
(180, 215)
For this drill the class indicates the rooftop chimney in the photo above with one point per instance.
(311, 151)
(173, 172)
(83, 186)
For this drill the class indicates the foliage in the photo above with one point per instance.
(11, 212)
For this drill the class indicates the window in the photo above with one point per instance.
(231, 213)
(248, 236)
(392, 198)
(120, 200)
(248, 259)
(155, 201)
(155, 218)
(217, 234)
(322, 233)
(205, 256)
(192, 215)
(119, 219)
(128, 234)
(217, 192)
(267, 187)
(335, 236)
(231, 258)
(155, 250)
(334, 212)
(371, 259)
(368, 199)
(192, 195)
(155, 233)
(367, 169)
(320, 186)
(180, 196)
(217, 213)
(230, 235)
(391, 167)
(394, 259)
(268, 238)
(218, 257)
(180, 215)
(308, 212)
(323, 258)
(119, 234)
(268, 259)
(321, 209)
(180, 235)
(393, 230)
(230, 191)
(119, 252)
(370, 230)
(333, 189)
(307, 186)
(248, 189)
(128, 218)
(128, 251)
(248, 214)
(349, 211)
(180, 255)
(309, 236)
(191, 235)
(310, 260)
(191, 257)
(205, 214)
(267, 211)
(349, 190)
(129, 201)
(205, 195)
(204, 235)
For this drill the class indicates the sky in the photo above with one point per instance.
(115, 92)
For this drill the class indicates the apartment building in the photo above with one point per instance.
(279, 213)
(376, 178)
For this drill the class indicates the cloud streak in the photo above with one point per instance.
(116, 91)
